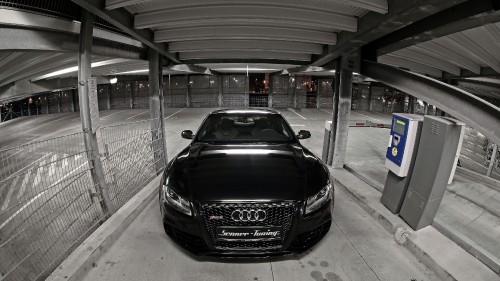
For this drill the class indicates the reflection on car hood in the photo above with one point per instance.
(246, 172)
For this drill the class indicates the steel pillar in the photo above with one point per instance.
(84, 73)
(188, 91)
(492, 160)
(475, 112)
(157, 110)
(131, 92)
(108, 100)
(370, 101)
(219, 77)
(333, 129)
(343, 112)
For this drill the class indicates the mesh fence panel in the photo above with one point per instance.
(134, 156)
(47, 205)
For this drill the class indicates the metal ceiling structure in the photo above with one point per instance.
(442, 39)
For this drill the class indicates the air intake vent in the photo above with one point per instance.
(434, 128)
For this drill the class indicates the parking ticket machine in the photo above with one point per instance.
(400, 156)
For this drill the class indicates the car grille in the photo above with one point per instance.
(278, 214)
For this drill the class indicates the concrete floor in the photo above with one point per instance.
(356, 248)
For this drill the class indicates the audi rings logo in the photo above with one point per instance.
(248, 215)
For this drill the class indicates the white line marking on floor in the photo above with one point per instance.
(366, 116)
(383, 115)
(297, 113)
(113, 114)
(38, 196)
(297, 125)
(9, 194)
(137, 115)
(78, 156)
(20, 170)
(11, 155)
(23, 184)
(52, 168)
(174, 113)
(324, 110)
(65, 161)
(39, 171)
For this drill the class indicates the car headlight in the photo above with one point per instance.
(175, 201)
(319, 199)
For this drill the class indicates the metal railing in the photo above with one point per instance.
(49, 203)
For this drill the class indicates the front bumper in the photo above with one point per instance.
(190, 232)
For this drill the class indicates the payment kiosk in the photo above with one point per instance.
(400, 156)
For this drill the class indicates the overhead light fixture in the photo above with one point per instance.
(113, 80)
(75, 68)
(133, 71)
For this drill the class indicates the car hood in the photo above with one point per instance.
(205, 173)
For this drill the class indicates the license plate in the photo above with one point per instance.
(248, 233)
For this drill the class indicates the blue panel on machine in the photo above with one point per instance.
(399, 133)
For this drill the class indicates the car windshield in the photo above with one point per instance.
(245, 127)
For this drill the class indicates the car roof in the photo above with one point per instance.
(244, 110)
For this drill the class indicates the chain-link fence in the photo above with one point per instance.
(49, 202)
(478, 155)
(47, 205)
(133, 156)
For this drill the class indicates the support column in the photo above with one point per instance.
(188, 91)
(108, 101)
(131, 99)
(84, 73)
(59, 102)
(271, 87)
(220, 80)
(335, 105)
(72, 106)
(411, 104)
(342, 108)
(370, 101)
(492, 160)
(157, 111)
(47, 104)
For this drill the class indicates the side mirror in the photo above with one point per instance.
(187, 134)
(303, 134)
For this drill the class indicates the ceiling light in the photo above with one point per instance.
(113, 80)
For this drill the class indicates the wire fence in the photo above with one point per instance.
(47, 205)
(477, 154)
(133, 156)
(49, 202)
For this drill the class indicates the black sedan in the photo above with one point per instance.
(246, 186)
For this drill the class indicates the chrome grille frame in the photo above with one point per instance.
(278, 214)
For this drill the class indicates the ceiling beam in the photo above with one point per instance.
(245, 33)
(246, 61)
(454, 27)
(245, 45)
(475, 112)
(373, 26)
(451, 17)
(20, 39)
(439, 50)
(422, 58)
(29, 20)
(411, 65)
(125, 21)
(468, 46)
(115, 4)
(216, 55)
(245, 14)
(464, 73)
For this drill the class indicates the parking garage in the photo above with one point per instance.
(401, 101)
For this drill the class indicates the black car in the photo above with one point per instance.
(246, 186)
